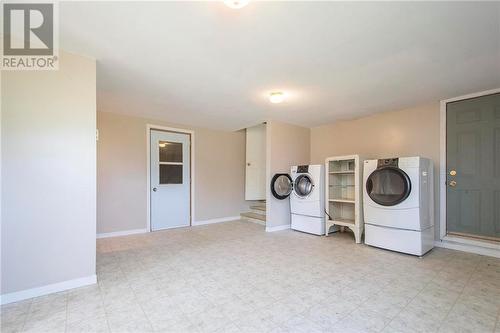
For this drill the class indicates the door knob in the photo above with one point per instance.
(154, 189)
(248, 164)
(453, 172)
(452, 183)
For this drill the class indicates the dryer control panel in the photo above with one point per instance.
(393, 162)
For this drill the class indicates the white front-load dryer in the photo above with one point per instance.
(398, 204)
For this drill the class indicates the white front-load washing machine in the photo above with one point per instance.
(305, 187)
(398, 201)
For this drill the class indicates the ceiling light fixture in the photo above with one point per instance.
(236, 4)
(276, 97)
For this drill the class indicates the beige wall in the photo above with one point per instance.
(411, 132)
(48, 176)
(286, 145)
(122, 181)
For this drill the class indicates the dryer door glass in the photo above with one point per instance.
(303, 185)
(281, 185)
(388, 186)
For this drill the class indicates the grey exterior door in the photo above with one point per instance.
(473, 167)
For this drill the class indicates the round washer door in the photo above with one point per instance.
(388, 186)
(303, 185)
(281, 186)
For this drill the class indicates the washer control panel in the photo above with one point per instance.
(302, 168)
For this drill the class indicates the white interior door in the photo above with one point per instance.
(255, 176)
(170, 180)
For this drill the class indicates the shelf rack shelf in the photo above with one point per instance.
(343, 222)
(343, 200)
(347, 172)
(343, 197)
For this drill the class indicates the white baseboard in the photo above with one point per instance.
(471, 248)
(278, 228)
(122, 233)
(218, 220)
(141, 231)
(48, 289)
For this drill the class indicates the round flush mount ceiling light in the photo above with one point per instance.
(236, 4)
(276, 97)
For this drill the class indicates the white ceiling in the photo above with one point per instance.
(203, 64)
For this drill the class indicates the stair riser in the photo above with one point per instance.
(257, 211)
(249, 219)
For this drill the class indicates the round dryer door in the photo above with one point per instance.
(388, 186)
(303, 185)
(281, 186)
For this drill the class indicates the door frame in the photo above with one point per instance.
(449, 241)
(150, 127)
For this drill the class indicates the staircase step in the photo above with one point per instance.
(259, 207)
(254, 217)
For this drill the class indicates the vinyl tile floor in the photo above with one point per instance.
(234, 277)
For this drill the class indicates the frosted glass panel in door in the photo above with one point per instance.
(473, 167)
(170, 151)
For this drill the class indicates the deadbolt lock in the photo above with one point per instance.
(452, 183)
(453, 173)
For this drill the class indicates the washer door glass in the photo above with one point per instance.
(388, 186)
(281, 186)
(303, 185)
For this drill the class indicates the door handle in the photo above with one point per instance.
(453, 173)
(452, 183)
(154, 189)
